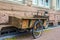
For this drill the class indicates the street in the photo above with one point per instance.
(53, 34)
(48, 34)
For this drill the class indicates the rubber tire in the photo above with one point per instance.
(33, 29)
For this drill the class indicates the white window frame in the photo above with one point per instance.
(35, 2)
(38, 3)
(41, 3)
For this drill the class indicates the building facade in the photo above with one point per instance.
(29, 7)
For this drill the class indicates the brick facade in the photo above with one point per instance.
(26, 10)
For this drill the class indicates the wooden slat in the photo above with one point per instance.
(33, 18)
(25, 24)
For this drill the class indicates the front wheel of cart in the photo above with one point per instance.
(37, 29)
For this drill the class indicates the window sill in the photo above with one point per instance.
(57, 8)
(40, 7)
(13, 3)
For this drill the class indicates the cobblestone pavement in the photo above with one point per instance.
(53, 34)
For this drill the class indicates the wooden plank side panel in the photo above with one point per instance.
(25, 24)
(15, 22)
(32, 23)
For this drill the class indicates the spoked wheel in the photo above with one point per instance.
(37, 29)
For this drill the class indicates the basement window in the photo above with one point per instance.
(51, 24)
(58, 23)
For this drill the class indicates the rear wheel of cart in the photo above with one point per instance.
(8, 30)
(37, 29)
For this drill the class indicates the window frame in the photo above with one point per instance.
(35, 2)
(42, 5)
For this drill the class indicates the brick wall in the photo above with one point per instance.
(25, 10)
(3, 18)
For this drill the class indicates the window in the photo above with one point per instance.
(14, 1)
(35, 2)
(58, 23)
(47, 3)
(58, 4)
(41, 3)
(50, 25)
